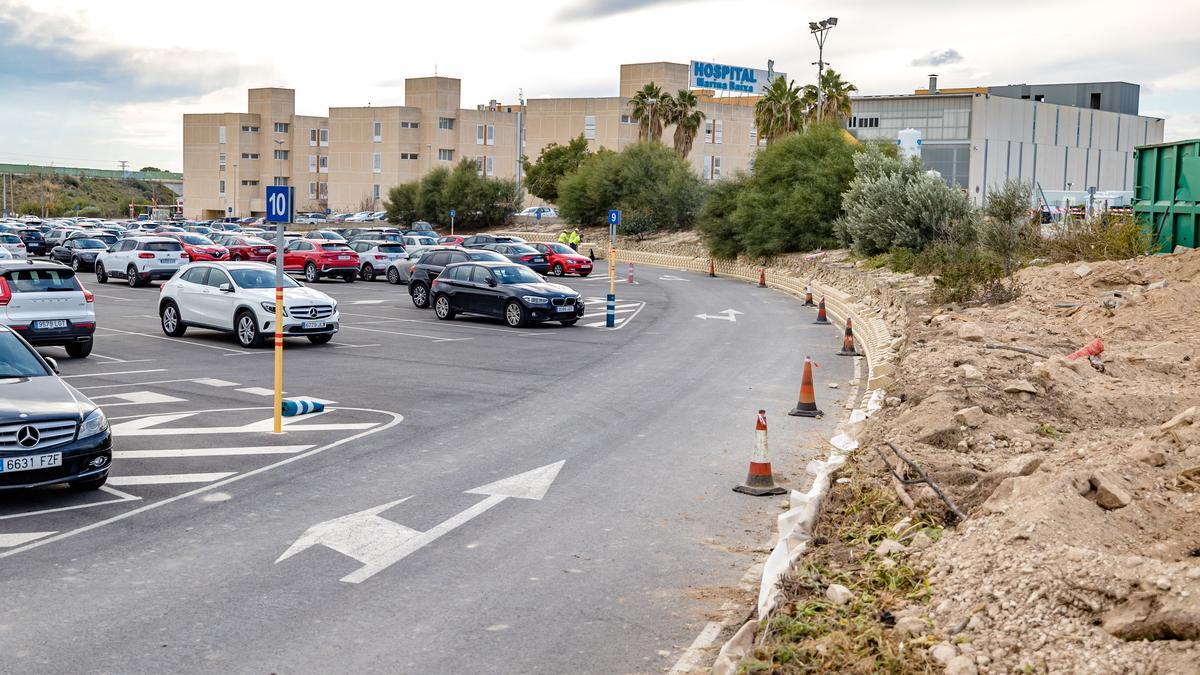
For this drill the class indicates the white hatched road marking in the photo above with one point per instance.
(142, 426)
(598, 307)
(119, 372)
(169, 479)
(258, 391)
(120, 497)
(213, 382)
(18, 538)
(368, 302)
(210, 452)
(136, 398)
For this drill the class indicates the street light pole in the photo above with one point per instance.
(819, 31)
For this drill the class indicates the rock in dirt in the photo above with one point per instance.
(1023, 465)
(910, 626)
(1082, 271)
(1020, 387)
(1107, 493)
(1153, 615)
(1161, 283)
(943, 652)
(961, 665)
(1186, 417)
(971, 332)
(838, 594)
(1153, 458)
(973, 417)
(920, 542)
(970, 372)
(888, 547)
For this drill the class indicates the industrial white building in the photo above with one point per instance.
(1064, 139)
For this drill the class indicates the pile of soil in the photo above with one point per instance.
(1080, 478)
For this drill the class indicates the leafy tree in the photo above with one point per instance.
(429, 203)
(646, 178)
(649, 105)
(1007, 229)
(779, 112)
(401, 203)
(479, 201)
(150, 168)
(554, 162)
(685, 114)
(789, 201)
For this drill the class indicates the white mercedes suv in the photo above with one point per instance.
(239, 298)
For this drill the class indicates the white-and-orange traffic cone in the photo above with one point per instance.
(760, 482)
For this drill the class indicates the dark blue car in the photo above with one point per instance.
(524, 254)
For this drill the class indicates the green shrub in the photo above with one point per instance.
(645, 177)
(716, 217)
(1108, 236)
(961, 272)
(901, 259)
(637, 224)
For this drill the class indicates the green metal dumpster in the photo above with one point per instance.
(1166, 192)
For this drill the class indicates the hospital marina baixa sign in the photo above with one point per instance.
(720, 77)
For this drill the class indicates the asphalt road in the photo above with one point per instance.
(608, 556)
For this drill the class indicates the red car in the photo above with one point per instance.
(451, 240)
(564, 260)
(318, 258)
(249, 248)
(199, 247)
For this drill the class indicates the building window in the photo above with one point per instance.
(410, 125)
(485, 134)
(491, 134)
(312, 137)
(712, 167)
(409, 155)
(1095, 101)
(445, 122)
(249, 129)
(589, 127)
(249, 155)
(479, 165)
(324, 190)
(375, 191)
(713, 131)
(221, 188)
(249, 183)
(281, 127)
(281, 154)
(863, 123)
(323, 164)
(377, 162)
(445, 154)
(312, 190)
(220, 134)
(312, 163)
(488, 161)
(627, 119)
(324, 137)
(378, 132)
(221, 161)
(281, 180)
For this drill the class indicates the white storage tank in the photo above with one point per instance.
(909, 143)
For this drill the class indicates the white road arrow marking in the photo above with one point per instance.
(379, 543)
(727, 315)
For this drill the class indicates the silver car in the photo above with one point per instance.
(375, 256)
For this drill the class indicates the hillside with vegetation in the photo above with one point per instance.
(56, 195)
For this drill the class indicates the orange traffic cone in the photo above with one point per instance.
(759, 480)
(848, 341)
(807, 405)
(712, 269)
(821, 318)
(630, 280)
(762, 278)
(808, 301)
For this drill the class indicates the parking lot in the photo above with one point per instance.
(530, 482)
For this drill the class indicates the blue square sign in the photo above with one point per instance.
(614, 217)
(279, 204)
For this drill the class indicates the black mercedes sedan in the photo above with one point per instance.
(506, 291)
(78, 252)
(49, 432)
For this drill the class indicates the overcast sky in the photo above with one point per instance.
(90, 83)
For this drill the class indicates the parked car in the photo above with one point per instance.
(416, 244)
(56, 435)
(198, 247)
(505, 291)
(14, 245)
(203, 230)
(564, 260)
(539, 212)
(79, 253)
(35, 241)
(166, 229)
(239, 298)
(374, 257)
(247, 248)
(56, 235)
(523, 254)
(325, 234)
(139, 260)
(310, 218)
(317, 258)
(102, 235)
(45, 303)
(361, 217)
(428, 264)
(481, 240)
(451, 240)
(5, 255)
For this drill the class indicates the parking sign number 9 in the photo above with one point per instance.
(278, 204)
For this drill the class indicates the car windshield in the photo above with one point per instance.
(486, 255)
(560, 248)
(335, 246)
(259, 278)
(90, 243)
(391, 248)
(516, 275)
(162, 246)
(42, 281)
(10, 239)
(197, 240)
(255, 241)
(522, 248)
(334, 236)
(17, 360)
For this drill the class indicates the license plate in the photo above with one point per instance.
(312, 324)
(565, 308)
(539, 259)
(31, 463)
(55, 323)
(343, 257)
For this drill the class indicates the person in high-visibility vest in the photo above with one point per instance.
(563, 238)
(574, 240)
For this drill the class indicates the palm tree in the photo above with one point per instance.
(648, 104)
(779, 112)
(835, 93)
(686, 116)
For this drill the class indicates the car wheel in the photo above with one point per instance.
(441, 308)
(367, 273)
(320, 339)
(247, 330)
(101, 277)
(89, 484)
(79, 350)
(76, 263)
(311, 275)
(172, 325)
(132, 277)
(393, 276)
(236, 258)
(570, 322)
(514, 314)
(583, 275)
(420, 295)
(349, 278)
(558, 270)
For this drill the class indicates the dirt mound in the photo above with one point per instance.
(1081, 477)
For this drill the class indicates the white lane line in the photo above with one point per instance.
(213, 382)
(121, 497)
(258, 391)
(338, 345)
(17, 538)
(119, 372)
(112, 297)
(443, 324)
(170, 478)
(210, 452)
(368, 302)
(433, 338)
(397, 418)
(171, 339)
(137, 398)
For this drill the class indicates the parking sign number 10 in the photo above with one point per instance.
(279, 204)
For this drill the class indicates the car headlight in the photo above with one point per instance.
(534, 300)
(269, 307)
(94, 423)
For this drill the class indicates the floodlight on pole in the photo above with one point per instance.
(819, 31)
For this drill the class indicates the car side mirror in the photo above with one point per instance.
(225, 288)
(491, 282)
(53, 364)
